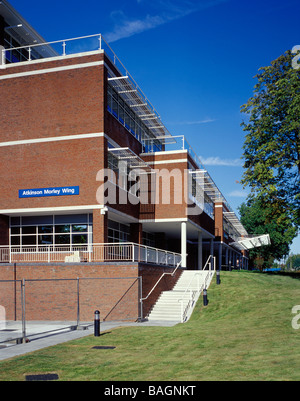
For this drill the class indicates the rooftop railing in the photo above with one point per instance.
(73, 46)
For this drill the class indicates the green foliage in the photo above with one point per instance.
(272, 144)
(293, 262)
(260, 217)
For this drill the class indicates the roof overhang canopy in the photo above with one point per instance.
(22, 31)
(205, 181)
(128, 156)
(133, 96)
(252, 242)
(235, 222)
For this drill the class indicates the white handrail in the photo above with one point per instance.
(102, 44)
(126, 251)
(53, 42)
(164, 274)
(195, 293)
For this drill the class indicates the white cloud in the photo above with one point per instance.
(238, 194)
(195, 122)
(167, 11)
(217, 161)
(130, 28)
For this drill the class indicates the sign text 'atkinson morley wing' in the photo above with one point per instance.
(42, 192)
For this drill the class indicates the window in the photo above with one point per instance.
(118, 232)
(15, 56)
(41, 231)
(119, 171)
(209, 206)
(126, 116)
(148, 239)
(198, 195)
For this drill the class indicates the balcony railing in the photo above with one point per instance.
(110, 252)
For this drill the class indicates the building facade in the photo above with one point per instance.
(86, 160)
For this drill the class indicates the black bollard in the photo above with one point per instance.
(97, 324)
(218, 277)
(205, 300)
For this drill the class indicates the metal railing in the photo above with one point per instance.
(109, 252)
(37, 307)
(69, 47)
(58, 47)
(156, 284)
(190, 295)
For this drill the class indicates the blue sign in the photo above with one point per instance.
(43, 192)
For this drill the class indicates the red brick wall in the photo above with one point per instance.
(176, 207)
(53, 164)
(60, 103)
(219, 221)
(150, 275)
(116, 294)
(114, 289)
(99, 227)
(174, 210)
(52, 104)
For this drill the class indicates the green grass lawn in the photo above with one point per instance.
(245, 333)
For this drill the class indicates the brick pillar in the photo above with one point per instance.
(4, 230)
(136, 233)
(99, 227)
(2, 25)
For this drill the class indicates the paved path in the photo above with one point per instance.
(49, 339)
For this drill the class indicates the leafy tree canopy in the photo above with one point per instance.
(293, 262)
(259, 217)
(272, 144)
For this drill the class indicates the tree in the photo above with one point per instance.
(272, 144)
(260, 217)
(293, 262)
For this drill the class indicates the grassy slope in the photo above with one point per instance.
(245, 333)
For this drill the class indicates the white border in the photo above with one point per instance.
(48, 70)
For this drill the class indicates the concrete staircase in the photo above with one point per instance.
(168, 306)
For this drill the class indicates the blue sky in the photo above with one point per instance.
(194, 59)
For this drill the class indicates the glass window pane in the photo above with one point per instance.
(62, 239)
(45, 229)
(32, 220)
(15, 221)
(45, 239)
(62, 229)
(71, 219)
(113, 224)
(15, 240)
(29, 230)
(15, 230)
(79, 228)
(79, 239)
(29, 240)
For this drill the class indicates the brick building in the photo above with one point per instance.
(89, 172)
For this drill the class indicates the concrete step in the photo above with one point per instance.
(168, 305)
(164, 316)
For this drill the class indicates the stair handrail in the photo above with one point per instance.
(164, 274)
(198, 273)
(199, 290)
